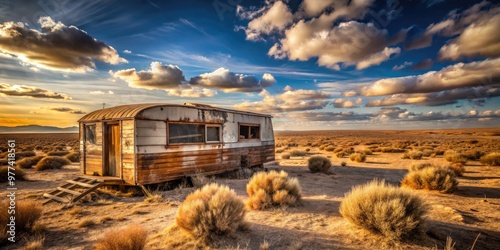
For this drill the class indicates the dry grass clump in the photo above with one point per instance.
(210, 211)
(21, 155)
(454, 157)
(358, 157)
(319, 164)
(20, 174)
(285, 156)
(35, 243)
(329, 148)
(418, 166)
(272, 189)
(73, 156)
(51, 162)
(391, 150)
(365, 151)
(132, 237)
(28, 162)
(457, 168)
(431, 178)
(492, 159)
(27, 214)
(298, 153)
(384, 209)
(413, 154)
(57, 153)
(343, 164)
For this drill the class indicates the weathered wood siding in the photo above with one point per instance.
(128, 151)
(93, 152)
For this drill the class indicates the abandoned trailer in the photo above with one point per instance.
(152, 143)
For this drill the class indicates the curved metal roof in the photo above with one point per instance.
(130, 111)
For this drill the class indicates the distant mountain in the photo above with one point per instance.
(37, 129)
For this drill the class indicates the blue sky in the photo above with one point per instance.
(360, 64)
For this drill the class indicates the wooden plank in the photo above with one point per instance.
(73, 192)
(92, 188)
(80, 183)
(57, 198)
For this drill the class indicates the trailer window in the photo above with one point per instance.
(213, 133)
(186, 133)
(90, 134)
(249, 131)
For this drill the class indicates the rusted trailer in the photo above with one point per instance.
(143, 144)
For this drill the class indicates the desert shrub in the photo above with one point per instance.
(418, 166)
(298, 153)
(20, 174)
(383, 209)
(413, 154)
(211, 210)
(130, 238)
(28, 162)
(431, 178)
(457, 168)
(57, 153)
(473, 154)
(321, 147)
(455, 157)
(365, 151)
(343, 164)
(427, 152)
(391, 150)
(357, 157)
(492, 159)
(319, 164)
(24, 154)
(27, 214)
(285, 156)
(272, 189)
(38, 147)
(73, 156)
(330, 148)
(51, 162)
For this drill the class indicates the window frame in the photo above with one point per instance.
(85, 134)
(205, 141)
(249, 125)
(213, 126)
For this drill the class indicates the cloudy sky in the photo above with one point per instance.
(312, 64)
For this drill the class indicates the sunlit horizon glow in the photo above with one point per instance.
(334, 65)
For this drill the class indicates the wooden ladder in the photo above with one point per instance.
(73, 190)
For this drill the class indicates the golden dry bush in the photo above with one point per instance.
(51, 162)
(384, 209)
(27, 214)
(454, 157)
(58, 153)
(20, 175)
(418, 166)
(413, 154)
(73, 156)
(28, 162)
(457, 168)
(272, 189)
(210, 211)
(431, 178)
(358, 157)
(319, 164)
(492, 159)
(285, 156)
(132, 237)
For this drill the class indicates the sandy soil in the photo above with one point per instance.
(472, 210)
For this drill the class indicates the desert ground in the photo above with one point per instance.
(470, 215)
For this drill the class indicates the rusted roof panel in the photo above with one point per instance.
(131, 111)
